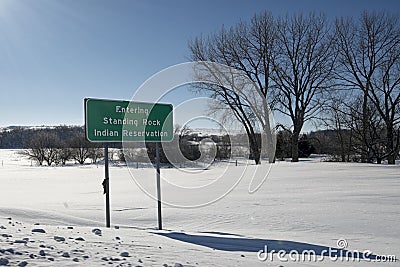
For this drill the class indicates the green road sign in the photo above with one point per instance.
(117, 121)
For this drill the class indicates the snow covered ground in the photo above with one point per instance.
(54, 216)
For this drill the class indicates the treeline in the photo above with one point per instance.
(61, 144)
(17, 137)
(58, 145)
(51, 145)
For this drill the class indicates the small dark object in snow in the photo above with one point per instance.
(124, 254)
(32, 256)
(38, 230)
(18, 253)
(115, 259)
(3, 227)
(6, 235)
(10, 250)
(70, 227)
(42, 253)
(117, 238)
(178, 265)
(85, 257)
(76, 260)
(140, 261)
(59, 238)
(79, 239)
(96, 231)
(242, 256)
(9, 218)
(50, 259)
(22, 264)
(4, 262)
(37, 224)
(65, 255)
(104, 259)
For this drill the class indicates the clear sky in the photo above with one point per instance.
(54, 53)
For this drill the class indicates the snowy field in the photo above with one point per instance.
(54, 216)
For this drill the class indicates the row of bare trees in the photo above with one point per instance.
(47, 147)
(345, 73)
(369, 68)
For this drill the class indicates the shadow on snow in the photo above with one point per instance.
(243, 244)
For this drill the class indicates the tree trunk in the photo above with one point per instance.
(254, 149)
(364, 126)
(257, 158)
(342, 148)
(295, 146)
(350, 145)
(389, 144)
(269, 144)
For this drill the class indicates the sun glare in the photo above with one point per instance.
(3, 5)
(6, 10)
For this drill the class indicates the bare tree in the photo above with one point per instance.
(81, 148)
(43, 147)
(34, 153)
(303, 68)
(95, 153)
(369, 57)
(247, 47)
(368, 129)
(64, 153)
(338, 119)
(347, 120)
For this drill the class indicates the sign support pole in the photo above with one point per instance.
(158, 186)
(107, 186)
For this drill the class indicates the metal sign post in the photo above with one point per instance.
(106, 184)
(158, 186)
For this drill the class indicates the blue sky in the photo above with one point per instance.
(54, 53)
